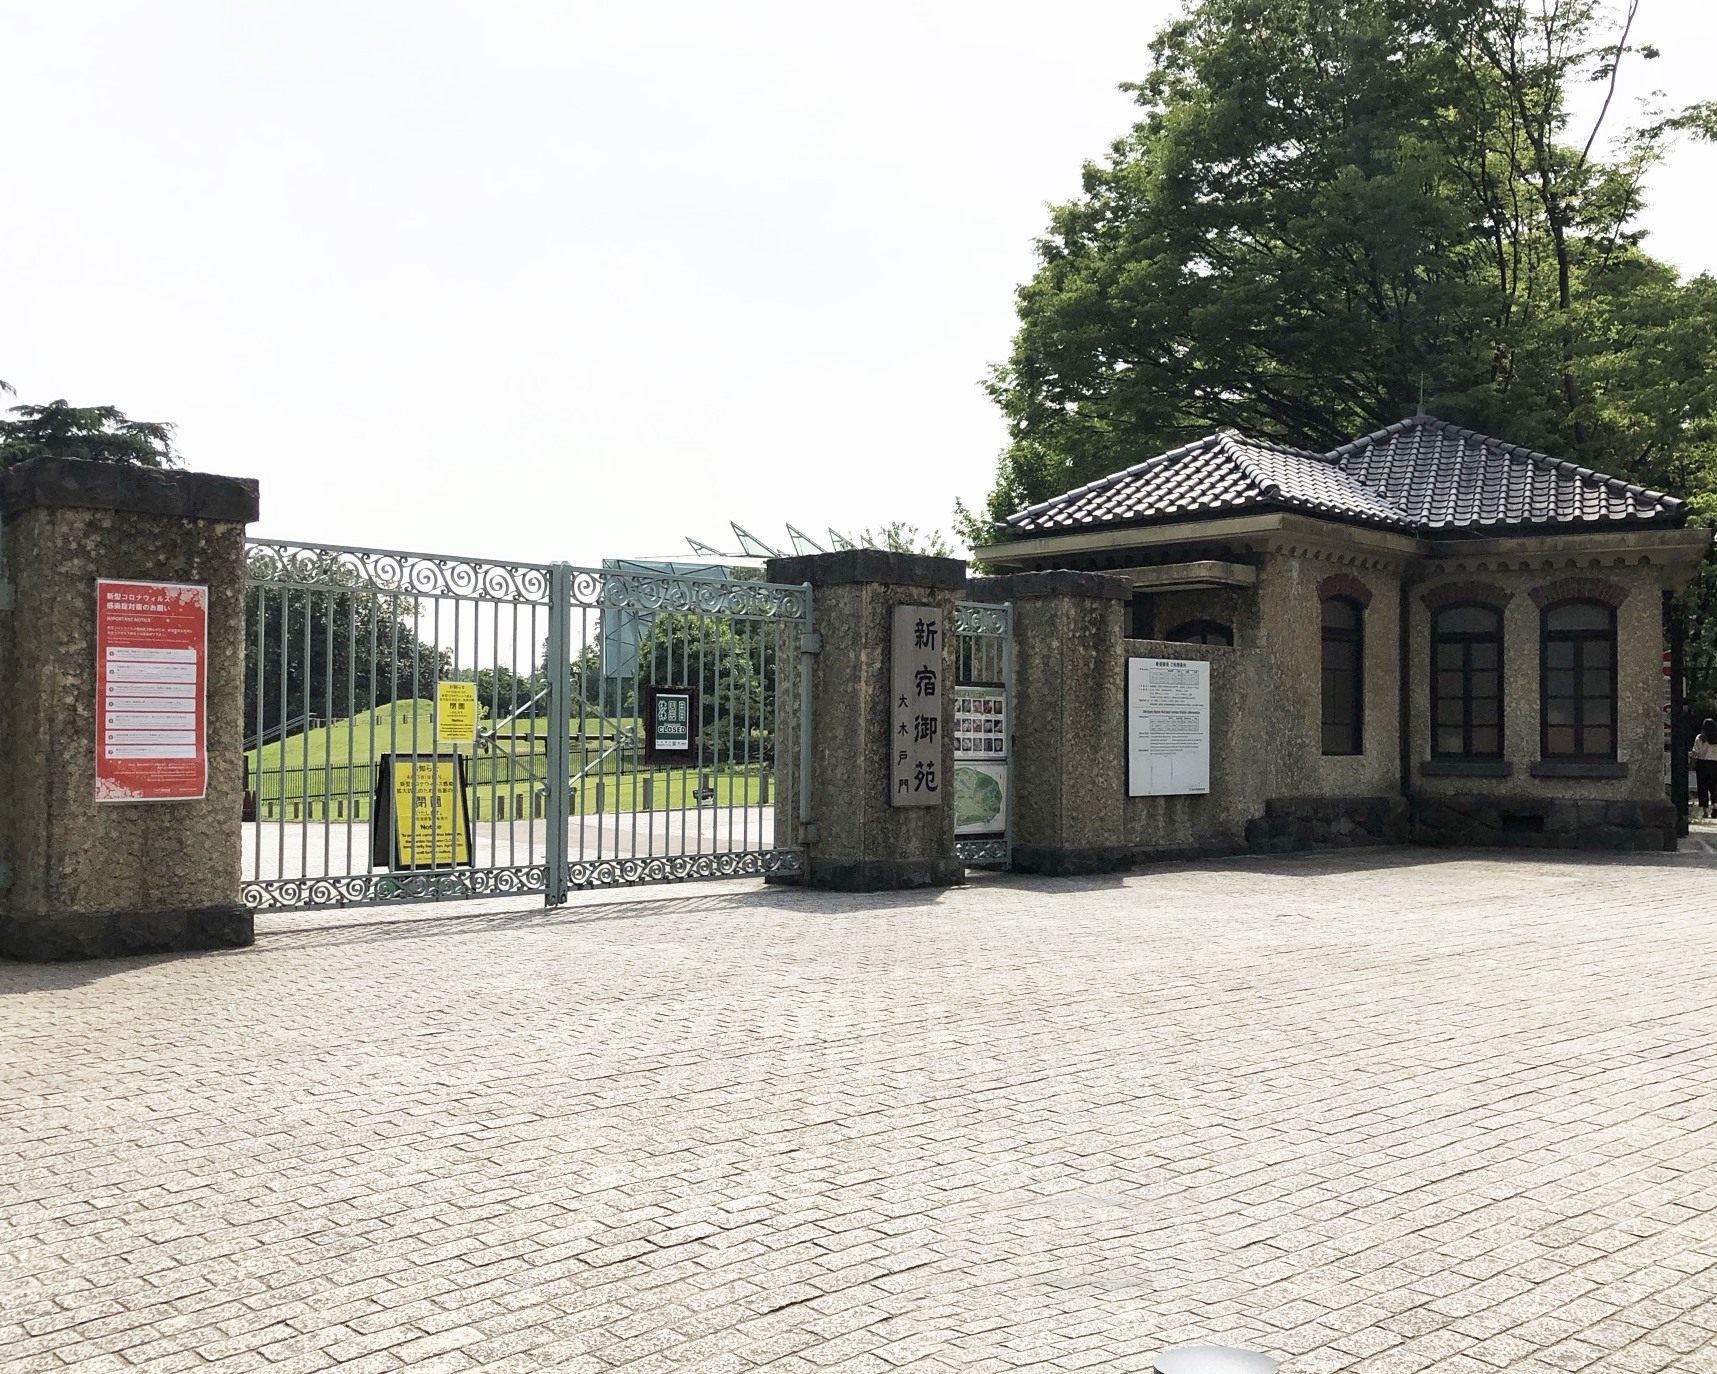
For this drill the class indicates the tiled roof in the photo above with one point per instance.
(1422, 474)
(1223, 473)
(1443, 477)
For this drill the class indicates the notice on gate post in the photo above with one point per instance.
(151, 690)
(1168, 727)
(915, 751)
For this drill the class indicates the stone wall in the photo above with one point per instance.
(89, 879)
(1214, 823)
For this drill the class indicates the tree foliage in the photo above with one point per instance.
(900, 537)
(101, 434)
(1332, 211)
(326, 655)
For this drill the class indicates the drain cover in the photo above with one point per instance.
(1213, 1359)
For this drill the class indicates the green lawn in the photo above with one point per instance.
(328, 775)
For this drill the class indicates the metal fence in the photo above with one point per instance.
(364, 784)
(983, 750)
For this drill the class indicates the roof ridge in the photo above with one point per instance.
(1513, 452)
(1273, 489)
(1268, 487)
(1102, 483)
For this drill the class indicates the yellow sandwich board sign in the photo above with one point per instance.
(422, 815)
(456, 712)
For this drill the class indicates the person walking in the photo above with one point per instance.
(1704, 757)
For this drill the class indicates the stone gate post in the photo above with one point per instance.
(858, 841)
(1069, 746)
(81, 878)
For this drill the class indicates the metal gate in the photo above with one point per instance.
(983, 734)
(424, 727)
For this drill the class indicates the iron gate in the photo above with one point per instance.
(983, 734)
(424, 727)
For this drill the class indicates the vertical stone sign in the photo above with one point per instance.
(915, 753)
(151, 665)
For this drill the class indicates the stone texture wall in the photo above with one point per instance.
(1290, 621)
(1068, 756)
(1214, 823)
(1235, 607)
(862, 843)
(89, 880)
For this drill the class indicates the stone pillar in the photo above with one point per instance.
(858, 842)
(1069, 753)
(81, 879)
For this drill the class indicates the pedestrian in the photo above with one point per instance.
(1705, 766)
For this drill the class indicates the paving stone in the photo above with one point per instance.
(1384, 1111)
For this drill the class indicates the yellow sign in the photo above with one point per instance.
(429, 814)
(456, 712)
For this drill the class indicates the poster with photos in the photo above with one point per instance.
(980, 725)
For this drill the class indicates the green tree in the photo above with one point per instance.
(316, 655)
(101, 434)
(900, 537)
(1332, 210)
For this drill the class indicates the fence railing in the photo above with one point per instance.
(425, 726)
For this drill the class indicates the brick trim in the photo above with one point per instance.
(1345, 584)
(1612, 594)
(1451, 593)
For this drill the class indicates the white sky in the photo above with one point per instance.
(574, 280)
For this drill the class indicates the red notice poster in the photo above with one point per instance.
(151, 662)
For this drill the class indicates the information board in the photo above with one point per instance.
(151, 690)
(980, 724)
(1168, 727)
(980, 760)
(456, 712)
(670, 724)
(915, 753)
(422, 817)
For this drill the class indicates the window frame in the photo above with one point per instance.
(1201, 625)
(1577, 637)
(1356, 637)
(1466, 638)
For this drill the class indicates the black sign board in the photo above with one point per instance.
(670, 724)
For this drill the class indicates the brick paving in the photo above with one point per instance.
(1386, 1112)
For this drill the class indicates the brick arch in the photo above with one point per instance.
(1612, 594)
(1485, 593)
(1345, 584)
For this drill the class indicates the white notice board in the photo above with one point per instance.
(1168, 727)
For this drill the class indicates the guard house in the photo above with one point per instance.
(1425, 633)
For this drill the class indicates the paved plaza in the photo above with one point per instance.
(1388, 1111)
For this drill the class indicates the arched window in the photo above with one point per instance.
(1577, 681)
(1201, 632)
(1343, 676)
(1466, 682)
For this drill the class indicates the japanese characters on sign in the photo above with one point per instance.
(915, 753)
(423, 819)
(1168, 727)
(456, 712)
(151, 689)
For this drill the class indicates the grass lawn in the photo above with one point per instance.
(328, 775)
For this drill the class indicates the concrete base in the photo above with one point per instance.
(116, 934)
(879, 875)
(1059, 861)
(1530, 822)
(1290, 824)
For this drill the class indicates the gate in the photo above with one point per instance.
(983, 734)
(424, 727)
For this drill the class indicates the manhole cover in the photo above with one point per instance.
(1213, 1359)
